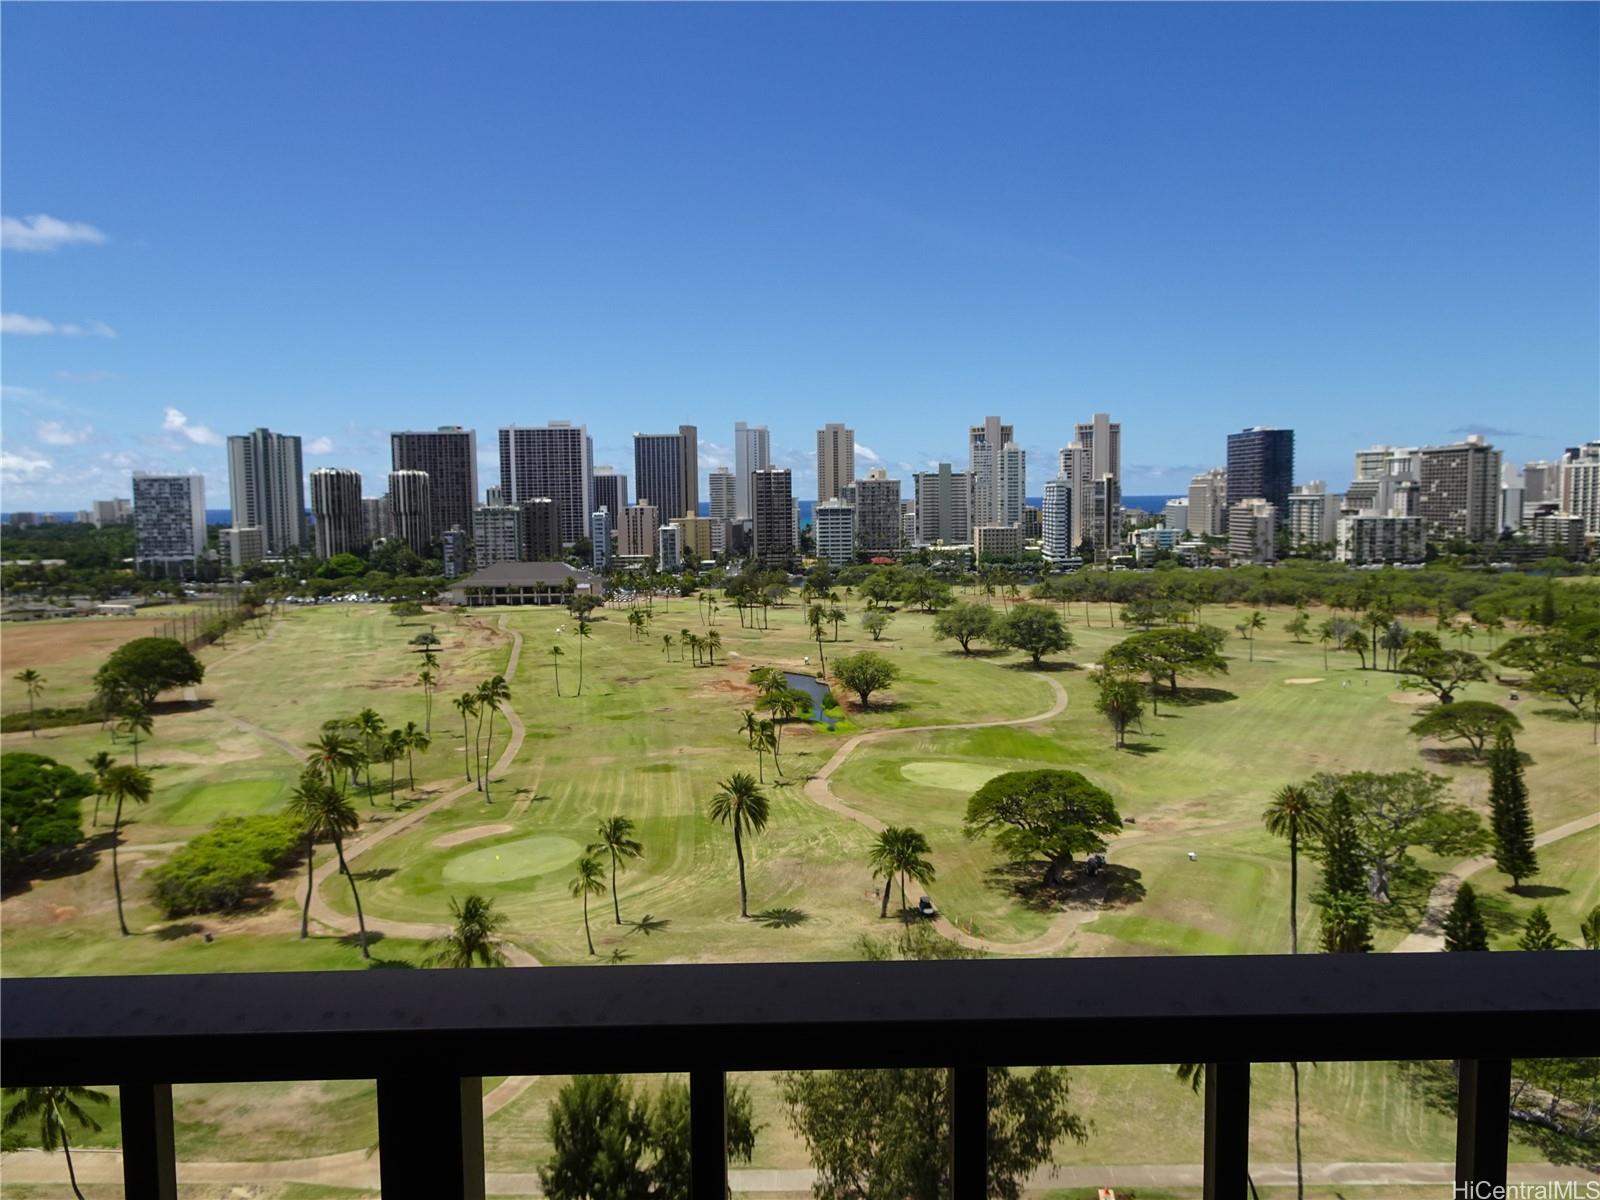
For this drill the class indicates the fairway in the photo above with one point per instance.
(951, 776)
(521, 859)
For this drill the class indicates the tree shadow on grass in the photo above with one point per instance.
(353, 940)
(1116, 886)
(183, 929)
(1498, 918)
(376, 874)
(1140, 748)
(1452, 756)
(1433, 1082)
(1538, 891)
(648, 924)
(1186, 697)
(781, 918)
(1047, 666)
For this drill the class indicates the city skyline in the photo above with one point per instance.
(1319, 267)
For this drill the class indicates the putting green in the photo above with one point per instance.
(513, 860)
(952, 776)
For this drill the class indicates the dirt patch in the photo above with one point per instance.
(1302, 682)
(725, 687)
(63, 912)
(1412, 699)
(39, 643)
(470, 835)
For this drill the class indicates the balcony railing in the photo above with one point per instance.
(427, 1038)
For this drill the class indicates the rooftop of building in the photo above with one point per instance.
(527, 574)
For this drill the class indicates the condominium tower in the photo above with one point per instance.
(555, 461)
(752, 451)
(836, 460)
(610, 490)
(1261, 467)
(266, 488)
(341, 526)
(666, 471)
(449, 455)
(877, 513)
(1459, 490)
(773, 524)
(411, 507)
(169, 518)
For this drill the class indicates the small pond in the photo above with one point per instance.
(816, 689)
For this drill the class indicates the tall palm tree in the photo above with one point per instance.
(666, 645)
(467, 705)
(324, 812)
(751, 724)
(335, 754)
(615, 835)
(491, 693)
(1255, 623)
(742, 804)
(303, 807)
(135, 721)
(124, 784)
(415, 739)
(900, 851)
(1294, 814)
(588, 879)
(474, 938)
(54, 1106)
(100, 763)
(583, 636)
(391, 750)
(555, 661)
(428, 679)
(34, 682)
(837, 614)
(713, 644)
(370, 726)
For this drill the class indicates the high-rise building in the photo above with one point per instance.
(1387, 480)
(877, 513)
(944, 506)
(449, 455)
(774, 528)
(496, 534)
(665, 473)
(600, 526)
(1541, 481)
(669, 548)
(1175, 514)
(985, 444)
(1580, 485)
(1459, 496)
(341, 526)
(836, 460)
(833, 523)
(1102, 438)
(455, 549)
(1252, 532)
(539, 534)
(1208, 503)
(242, 545)
(411, 507)
(610, 489)
(636, 532)
(494, 496)
(169, 518)
(1260, 467)
(752, 451)
(1056, 520)
(1313, 514)
(377, 517)
(112, 512)
(1103, 530)
(724, 486)
(266, 488)
(1032, 523)
(1512, 497)
(1366, 537)
(1011, 484)
(698, 537)
(908, 522)
(555, 461)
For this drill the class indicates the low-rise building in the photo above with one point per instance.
(992, 542)
(1561, 532)
(1253, 531)
(1367, 538)
(243, 544)
(524, 583)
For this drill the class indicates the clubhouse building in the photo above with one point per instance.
(524, 583)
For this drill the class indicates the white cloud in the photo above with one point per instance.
(96, 376)
(13, 391)
(16, 468)
(41, 233)
(713, 455)
(54, 433)
(174, 421)
(320, 445)
(27, 326)
(868, 453)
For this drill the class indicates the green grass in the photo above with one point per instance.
(506, 861)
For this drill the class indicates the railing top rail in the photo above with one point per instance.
(1124, 1010)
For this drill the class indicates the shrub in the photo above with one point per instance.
(40, 810)
(49, 718)
(217, 870)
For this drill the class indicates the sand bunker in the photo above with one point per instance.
(470, 835)
(1302, 681)
(951, 776)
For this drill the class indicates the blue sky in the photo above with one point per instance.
(1365, 222)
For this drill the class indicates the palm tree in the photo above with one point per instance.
(713, 644)
(899, 851)
(1326, 633)
(121, 784)
(768, 736)
(751, 724)
(837, 614)
(473, 939)
(324, 812)
(427, 679)
(34, 682)
(335, 754)
(491, 692)
(741, 804)
(304, 805)
(467, 705)
(370, 726)
(99, 764)
(136, 720)
(589, 879)
(683, 643)
(1255, 622)
(666, 645)
(583, 636)
(415, 739)
(391, 750)
(615, 835)
(555, 661)
(53, 1106)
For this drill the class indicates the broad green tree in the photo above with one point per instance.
(473, 938)
(614, 835)
(1052, 815)
(964, 624)
(875, 623)
(1033, 629)
(739, 802)
(1441, 673)
(588, 879)
(53, 1108)
(864, 673)
(1510, 820)
(124, 785)
(1470, 721)
(146, 667)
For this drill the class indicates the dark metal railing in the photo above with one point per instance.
(427, 1038)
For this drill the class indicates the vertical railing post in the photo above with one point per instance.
(430, 1137)
(1483, 1125)
(1227, 1141)
(149, 1164)
(708, 1134)
(969, 1131)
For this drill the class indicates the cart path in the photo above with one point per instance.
(1429, 933)
(359, 1169)
(375, 836)
(820, 791)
